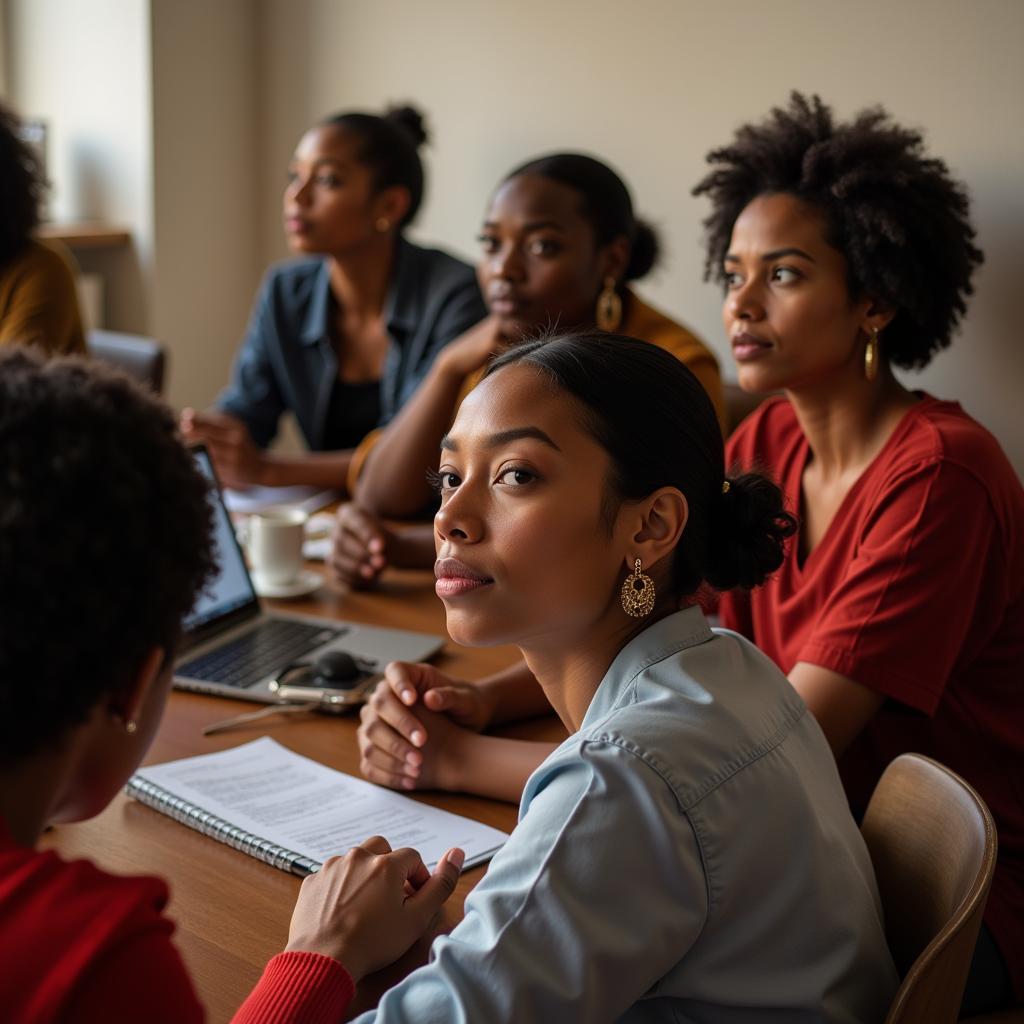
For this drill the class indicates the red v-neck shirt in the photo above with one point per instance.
(916, 590)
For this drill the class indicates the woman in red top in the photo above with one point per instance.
(105, 539)
(898, 613)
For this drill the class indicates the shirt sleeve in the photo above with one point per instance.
(597, 894)
(253, 395)
(298, 988)
(898, 618)
(141, 978)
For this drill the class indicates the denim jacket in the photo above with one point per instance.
(287, 361)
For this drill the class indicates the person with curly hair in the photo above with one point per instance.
(844, 250)
(38, 301)
(90, 615)
(341, 336)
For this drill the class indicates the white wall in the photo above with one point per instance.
(651, 86)
(85, 69)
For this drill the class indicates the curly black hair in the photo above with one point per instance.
(105, 540)
(21, 188)
(896, 214)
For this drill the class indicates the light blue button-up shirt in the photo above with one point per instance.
(686, 856)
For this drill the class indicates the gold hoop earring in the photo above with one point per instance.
(637, 593)
(871, 355)
(609, 307)
(383, 224)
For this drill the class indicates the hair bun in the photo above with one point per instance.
(645, 251)
(411, 121)
(748, 533)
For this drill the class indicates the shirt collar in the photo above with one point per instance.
(400, 307)
(666, 637)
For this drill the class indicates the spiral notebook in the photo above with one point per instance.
(293, 813)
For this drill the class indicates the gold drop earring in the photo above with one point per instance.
(637, 593)
(608, 315)
(871, 355)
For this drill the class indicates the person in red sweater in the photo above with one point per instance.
(898, 613)
(105, 540)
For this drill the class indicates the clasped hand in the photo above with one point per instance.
(415, 727)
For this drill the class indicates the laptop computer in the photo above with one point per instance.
(231, 647)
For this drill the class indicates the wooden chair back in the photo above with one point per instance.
(933, 845)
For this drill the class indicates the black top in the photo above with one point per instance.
(353, 412)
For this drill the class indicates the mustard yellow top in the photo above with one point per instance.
(640, 321)
(38, 302)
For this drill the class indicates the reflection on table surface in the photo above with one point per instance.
(232, 911)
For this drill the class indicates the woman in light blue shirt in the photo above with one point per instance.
(687, 853)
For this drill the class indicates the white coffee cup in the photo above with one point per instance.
(274, 540)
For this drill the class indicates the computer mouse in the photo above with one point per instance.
(336, 667)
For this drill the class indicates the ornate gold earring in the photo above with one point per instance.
(609, 307)
(383, 224)
(637, 593)
(871, 355)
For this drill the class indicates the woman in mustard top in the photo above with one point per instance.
(38, 301)
(561, 245)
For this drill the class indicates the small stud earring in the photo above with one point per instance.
(131, 726)
(383, 225)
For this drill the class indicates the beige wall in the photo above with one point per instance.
(651, 86)
(205, 187)
(85, 69)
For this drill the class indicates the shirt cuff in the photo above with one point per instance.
(298, 988)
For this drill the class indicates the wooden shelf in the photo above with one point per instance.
(90, 234)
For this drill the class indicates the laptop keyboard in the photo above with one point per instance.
(265, 650)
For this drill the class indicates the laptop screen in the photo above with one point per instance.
(231, 588)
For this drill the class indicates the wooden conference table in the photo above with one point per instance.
(232, 911)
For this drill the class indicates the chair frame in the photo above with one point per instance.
(932, 987)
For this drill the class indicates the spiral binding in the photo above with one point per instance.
(217, 828)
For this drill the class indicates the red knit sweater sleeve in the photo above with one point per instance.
(298, 988)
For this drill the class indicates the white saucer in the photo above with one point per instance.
(305, 583)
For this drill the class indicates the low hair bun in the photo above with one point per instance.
(644, 253)
(411, 121)
(749, 530)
